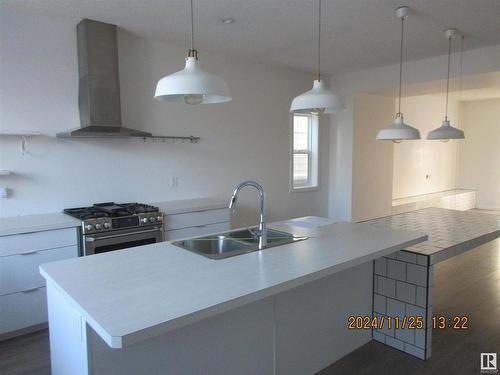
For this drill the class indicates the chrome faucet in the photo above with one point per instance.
(262, 234)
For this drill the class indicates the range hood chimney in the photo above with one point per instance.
(99, 86)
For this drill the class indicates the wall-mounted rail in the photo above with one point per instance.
(165, 138)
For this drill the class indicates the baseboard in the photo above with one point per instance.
(488, 208)
(23, 331)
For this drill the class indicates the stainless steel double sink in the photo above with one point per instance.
(225, 245)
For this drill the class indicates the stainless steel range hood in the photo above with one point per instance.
(99, 86)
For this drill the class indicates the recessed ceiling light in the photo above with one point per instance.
(226, 21)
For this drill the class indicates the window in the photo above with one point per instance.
(304, 170)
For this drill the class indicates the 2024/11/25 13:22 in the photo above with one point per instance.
(406, 322)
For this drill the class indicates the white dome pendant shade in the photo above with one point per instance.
(399, 131)
(319, 99)
(446, 132)
(192, 85)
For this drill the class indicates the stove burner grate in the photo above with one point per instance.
(110, 209)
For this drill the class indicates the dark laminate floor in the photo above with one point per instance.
(468, 284)
(28, 354)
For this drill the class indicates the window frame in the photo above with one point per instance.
(313, 181)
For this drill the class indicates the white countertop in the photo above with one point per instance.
(58, 220)
(190, 205)
(36, 223)
(130, 295)
(451, 232)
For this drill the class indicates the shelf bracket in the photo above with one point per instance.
(23, 136)
(24, 144)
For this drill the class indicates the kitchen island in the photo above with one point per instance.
(159, 309)
(403, 281)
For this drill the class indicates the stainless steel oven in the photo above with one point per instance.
(110, 226)
(97, 243)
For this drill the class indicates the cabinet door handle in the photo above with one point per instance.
(201, 226)
(30, 290)
(29, 253)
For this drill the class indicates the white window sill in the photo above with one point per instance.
(303, 189)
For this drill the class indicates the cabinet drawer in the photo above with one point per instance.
(171, 235)
(192, 219)
(21, 310)
(20, 272)
(35, 241)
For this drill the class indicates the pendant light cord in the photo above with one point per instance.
(461, 69)
(319, 40)
(401, 66)
(460, 79)
(192, 25)
(192, 52)
(448, 79)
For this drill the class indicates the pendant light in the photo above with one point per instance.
(446, 132)
(399, 131)
(319, 99)
(192, 85)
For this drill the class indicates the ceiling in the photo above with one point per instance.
(357, 34)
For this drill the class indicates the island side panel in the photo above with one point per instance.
(403, 291)
(239, 341)
(68, 342)
(311, 320)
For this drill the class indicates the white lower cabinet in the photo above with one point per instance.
(23, 301)
(196, 223)
(35, 241)
(24, 309)
(20, 272)
(200, 230)
(196, 218)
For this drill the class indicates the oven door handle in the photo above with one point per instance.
(92, 239)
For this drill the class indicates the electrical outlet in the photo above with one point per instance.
(3, 192)
(173, 182)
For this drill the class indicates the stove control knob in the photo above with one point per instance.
(144, 220)
(107, 225)
(159, 218)
(152, 219)
(88, 227)
(97, 226)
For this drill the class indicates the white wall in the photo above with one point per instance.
(480, 151)
(245, 139)
(342, 124)
(415, 160)
(372, 159)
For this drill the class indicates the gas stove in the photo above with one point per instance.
(111, 226)
(110, 216)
